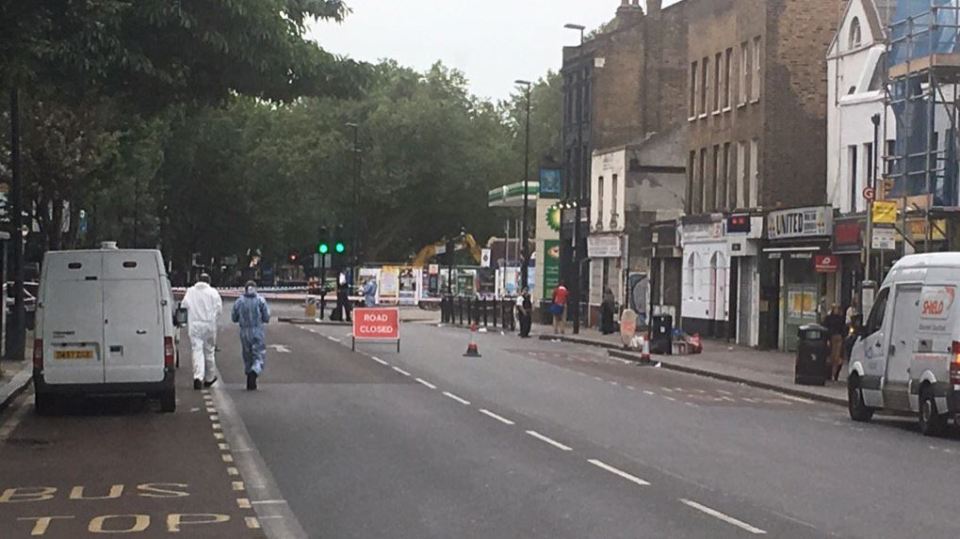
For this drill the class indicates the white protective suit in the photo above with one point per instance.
(203, 305)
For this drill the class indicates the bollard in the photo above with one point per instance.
(484, 300)
(460, 308)
(496, 305)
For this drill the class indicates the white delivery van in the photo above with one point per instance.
(907, 358)
(106, 324)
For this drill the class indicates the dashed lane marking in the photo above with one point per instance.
(401, 371)
(237, 485)
(214, 417)
(423, 382)
(269, 502)
(795, 399)
(461, 400)
(648, 392)
(244, 503)
(726, 518)
(671, 399)
(218, 435)
(614, 383)
(549, 440)
(631, 388)
(217, 426)
(499, 418)
(227, 457)
(252, 523)
(380, 361)
(334, 339)
(632, 478)
(224, 446)
(232, 470)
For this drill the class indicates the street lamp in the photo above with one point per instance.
(579, 188)
(356, 194)
(525, 245)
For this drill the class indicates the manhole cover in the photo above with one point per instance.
(28, 442)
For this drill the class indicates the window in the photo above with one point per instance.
(852, 177)
(742, 165)
(694, 89)
(705, 86)
(614, 209)
(709, 201)
(891, 151)
(744, 72)
(717, 81)
(727, 98)
(875, 320)
(689, 277)
(754, 174)
(723, 178)
(691, 167)
(855, 34)
(755, 81)
(701, 206)
(600, 203)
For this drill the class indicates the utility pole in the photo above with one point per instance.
(16, 330)
(578, 202)
(524, 234)
(356, 197)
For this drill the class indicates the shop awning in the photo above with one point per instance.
(511, 196)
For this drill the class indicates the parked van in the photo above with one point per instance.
(106, 324)
(908, 356)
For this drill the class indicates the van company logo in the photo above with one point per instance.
(936, 301)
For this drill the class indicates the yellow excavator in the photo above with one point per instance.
(465, 241)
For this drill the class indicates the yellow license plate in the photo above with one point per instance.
(73, 354)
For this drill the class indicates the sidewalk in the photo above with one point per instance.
(15, 376)
(771, 370)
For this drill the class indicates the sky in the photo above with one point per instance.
(494, 42)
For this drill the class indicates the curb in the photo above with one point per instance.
(15, 386)
(581, 340)
(788, 390)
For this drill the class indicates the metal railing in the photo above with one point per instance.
(495, 312)
(936, 31)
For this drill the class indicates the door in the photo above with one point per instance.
(902, 344)
(71, 308)
(132, 320)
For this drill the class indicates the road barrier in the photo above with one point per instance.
(484, 312)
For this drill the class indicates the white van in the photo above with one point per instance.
(908, 357)
(106, 324)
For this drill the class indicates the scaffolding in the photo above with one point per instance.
(923, 93)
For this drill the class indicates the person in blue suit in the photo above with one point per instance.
(251, 312)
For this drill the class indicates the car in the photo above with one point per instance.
(106, 324)
(907, 357)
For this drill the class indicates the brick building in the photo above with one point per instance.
(756, 98)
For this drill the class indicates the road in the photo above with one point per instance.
(534, 439)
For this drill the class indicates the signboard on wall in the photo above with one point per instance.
(603, 247)
(551, 183)
(551, 267)
(826, 263)
(884, 213)
(800, 223)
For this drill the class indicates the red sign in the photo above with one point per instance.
(376, 324)
(826, 263)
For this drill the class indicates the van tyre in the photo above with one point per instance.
(932, 422)
(859, 411)
(168, 401)
(46, 404)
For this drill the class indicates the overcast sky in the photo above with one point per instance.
(494, 42)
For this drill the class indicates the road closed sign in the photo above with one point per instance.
(376, 324)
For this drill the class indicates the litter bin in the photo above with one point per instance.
(812, 355)
(661, 342)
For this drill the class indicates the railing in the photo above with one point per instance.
(496, 312)
(936, 31)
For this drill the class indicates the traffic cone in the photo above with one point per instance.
(472, 349)
(645, 352)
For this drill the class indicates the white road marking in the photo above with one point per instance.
(750, 400)
(237, 485)
(692, 405)
(671, 399)
(280, 348)
(243, 503)
(227, 457)
(423, 382)
(724, 392)
(232, 470)
(621, 473)
(401, 371)
(795, 399)
(334, 339)
(726, 518)
(667, 389)
(548, 440)
(462, 401)
(217, 426)
(252, 523)
(631, 388)
(597, 378)
(380, 361)
(218, 435)
(499, 418)
(214, 417)
(269, 502)
(224, 446)
(614, 383)
(648, 392)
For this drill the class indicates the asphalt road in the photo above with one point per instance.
(534, 439)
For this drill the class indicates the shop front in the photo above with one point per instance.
(848, 234)
(706, 266)
(744, 235)
(793, 292)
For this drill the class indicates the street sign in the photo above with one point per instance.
(485, 258)
(826, 263)
(885, 238)
(869, 194)
(376, 325)
(884, 212)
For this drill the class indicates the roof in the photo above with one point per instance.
(928, 260)
(879, 15)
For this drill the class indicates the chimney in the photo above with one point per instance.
(629, 11)
(654, 6)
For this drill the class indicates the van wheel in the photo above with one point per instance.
(46, 404)
(168, 401)
(932, 422)
(859, 411)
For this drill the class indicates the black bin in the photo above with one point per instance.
(661, 342)
(812, 355)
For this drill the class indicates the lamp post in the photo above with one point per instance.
(577, 201)
(356, 198)
(524, 235)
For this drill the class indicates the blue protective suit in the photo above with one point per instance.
(251, 312)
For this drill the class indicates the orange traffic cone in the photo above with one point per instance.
(472, 349)
(645, 352)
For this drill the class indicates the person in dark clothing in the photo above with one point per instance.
(525, 312)
(836, 328)
(607, 307)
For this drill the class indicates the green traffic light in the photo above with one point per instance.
(323, 248)
(340, 247)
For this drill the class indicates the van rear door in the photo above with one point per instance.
(133, 326)
(903, 344)
(72, 304)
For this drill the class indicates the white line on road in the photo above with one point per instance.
(548, 440)
(597, 378)
(280, 348)
(726, 518)
(232, 470)
(795, 399)
(269, 502)
(499, 418)
(613, 383)
(252, 523)
(621, 473)
(648, 392)
(462, 401)
(334, 339)
(401, 371)
(380, 361)
(671, 399)
(243, 503)
(631, 388)
(423, 382)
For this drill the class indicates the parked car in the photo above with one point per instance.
(907, 358)
(106, 324)
(30, 292)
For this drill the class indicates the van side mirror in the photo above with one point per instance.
(180, 317)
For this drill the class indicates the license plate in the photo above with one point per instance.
(73, 354)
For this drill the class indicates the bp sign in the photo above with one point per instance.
(553, 218)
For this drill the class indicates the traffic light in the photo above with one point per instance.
(323, 246)
(293, 256)
(340, 247)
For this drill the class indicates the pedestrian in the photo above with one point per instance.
(607, 307)
(559, 308)
(836, 329)
(370, 292)
(853, 310)
(343, 297)
(524, 312)
(204, 306)
(252, 313)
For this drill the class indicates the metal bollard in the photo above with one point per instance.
(496, 305)
(485, 312)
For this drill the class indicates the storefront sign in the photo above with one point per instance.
(885, 238)
(826, 263)
(800, 223)
(694, 232)
(551, 267)
(884, 213)
(603, 247)
(738, 224)
(846, 237)
(550, 183)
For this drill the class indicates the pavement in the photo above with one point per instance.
(15, 375)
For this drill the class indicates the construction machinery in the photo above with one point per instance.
(464, 241)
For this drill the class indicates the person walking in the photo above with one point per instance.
(836, 329)
(607, 308)
(525, 312)
(251, 312)
(204, 306)
(559, 308)
(370, 292)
